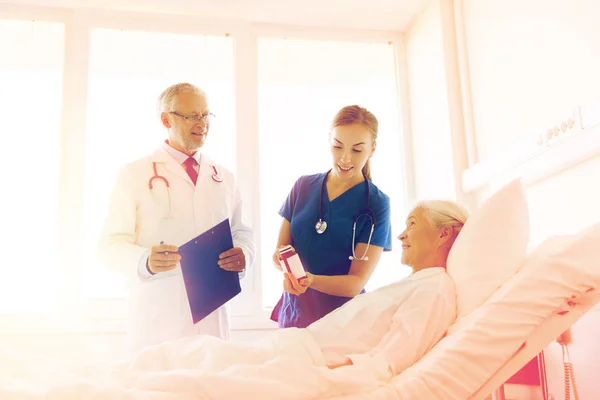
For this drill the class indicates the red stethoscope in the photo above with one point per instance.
(215, 177)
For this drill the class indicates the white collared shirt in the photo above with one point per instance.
(180, 157)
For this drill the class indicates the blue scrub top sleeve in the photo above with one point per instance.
(287, 209)
(382, 234)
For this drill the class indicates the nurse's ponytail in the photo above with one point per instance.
(355, 114)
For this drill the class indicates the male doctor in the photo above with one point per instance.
(161, 201)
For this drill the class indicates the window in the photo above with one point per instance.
(127, 72)
(302, 84)
(31, 78)
(109, 116)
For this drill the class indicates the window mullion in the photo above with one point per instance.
(71, 254)
(246, 90)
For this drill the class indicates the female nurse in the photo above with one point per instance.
(338, 222)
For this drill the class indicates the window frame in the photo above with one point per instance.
(106, 315)
(35, 322)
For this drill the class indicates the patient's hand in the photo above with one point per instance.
(293, 286)
(344, 363)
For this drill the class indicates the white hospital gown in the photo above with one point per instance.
(391, 328)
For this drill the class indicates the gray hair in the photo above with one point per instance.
(443, 213)
(165, 101)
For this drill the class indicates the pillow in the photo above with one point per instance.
(490, 248)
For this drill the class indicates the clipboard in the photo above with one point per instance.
(207, 285)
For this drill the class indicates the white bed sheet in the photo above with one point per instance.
(406, 318)
(285, 365)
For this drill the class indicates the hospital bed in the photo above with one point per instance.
(501, 336)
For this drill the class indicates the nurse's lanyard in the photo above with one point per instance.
(321, 225)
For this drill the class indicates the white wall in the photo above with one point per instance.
(530, 63)
(428, 102)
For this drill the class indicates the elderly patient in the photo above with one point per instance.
(395, 325)
(368, 340)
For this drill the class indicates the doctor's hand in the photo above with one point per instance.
(232, 260)
(293, 286)
(163, 258)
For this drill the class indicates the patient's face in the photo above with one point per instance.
(419, 240)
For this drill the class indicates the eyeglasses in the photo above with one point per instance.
(195, 118)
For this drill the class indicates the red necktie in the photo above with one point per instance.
(189, 168)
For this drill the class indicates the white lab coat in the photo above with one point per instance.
(139, 218)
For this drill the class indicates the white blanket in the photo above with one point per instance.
(287, 364)
(381, 332)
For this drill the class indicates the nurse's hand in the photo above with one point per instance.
(277, 257)
(293, 286)
(232, 260)
(163, 258)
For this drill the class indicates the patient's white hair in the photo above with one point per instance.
(165, 101)
(443, 213)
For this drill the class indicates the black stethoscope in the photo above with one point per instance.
(321, 225)
(215, 177)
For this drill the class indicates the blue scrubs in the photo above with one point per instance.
(327, 254)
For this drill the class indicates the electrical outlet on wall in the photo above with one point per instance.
(589, 115)
(558, 132)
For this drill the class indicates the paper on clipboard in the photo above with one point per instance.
(207, 285)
